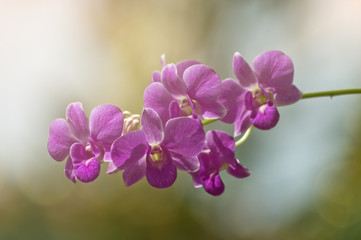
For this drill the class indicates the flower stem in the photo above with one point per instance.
(208, 121)
(245, 136)
(331, 93)
(311, 95)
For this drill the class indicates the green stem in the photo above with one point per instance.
(208, 121)
(312, 95)
(331, 93)
(304, 96)
(245, 136)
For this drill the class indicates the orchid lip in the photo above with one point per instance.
(188, 106)
(87, 162)
(185, 106)
(156, 153)
(88, 148)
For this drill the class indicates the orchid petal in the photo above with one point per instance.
(238, 171)
(134, 173)
(158, 98)
(60, 139)
(248, 101)
(152, 126)
(174, 110)
(128, 149)
(156, 77)
(162, 60)
(222, 145)
(212, 110)
(79, 154)
(96, 149)
(174, 84)
(112, 168)
(203, 83)
(265, 118)
(184, 135)
(232, 98)
(189, 164)
(161, 174)
(69, 170)
(287, 96)
(242, 122)
(197, 182)
(213, 184)
(86, 166)
(182, 66)
(207, 164)
(88, 170)
(273, 69)
(77, 121)
(243, 71)
(106, 124)
(209, 175)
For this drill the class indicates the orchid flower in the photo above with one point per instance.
(185, 89)
(217, 154)
(84, 143)
(157, 152)
(255, 99)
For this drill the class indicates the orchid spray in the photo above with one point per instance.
(169, 135)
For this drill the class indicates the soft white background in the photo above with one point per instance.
(56, 52)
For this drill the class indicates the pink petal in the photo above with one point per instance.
(213, 184)
(69, 170)
(175, 110)
(79, 154)
(88, 170)
(161, 174)
(243, 71)
(152, 126)
(155, 77)
(189, 164)
(128, 149)
(134, 173)
(212, 110)
(273, 69)
(60, 139)
(238, 171)
(174, 84)
(242, 122)
(184, 135)
(86, 166)
(77, 121)
(203, 83)
(106, 124)
(96, 149)
(112, 168)
(232, 98)
(182, 66)
(158, 98)
(197, 182)
(267, 118)
(222, 146)
(162, 60)
(287, 95)
(209, 175)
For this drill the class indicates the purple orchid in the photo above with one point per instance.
(254, 99)
(155, 152)
(85, 144)
(185, 89)
(217, 154)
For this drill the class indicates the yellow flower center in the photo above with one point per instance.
(156, 153)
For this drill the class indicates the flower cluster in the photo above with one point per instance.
(169, 134)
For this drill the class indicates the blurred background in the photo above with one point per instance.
(306, 172)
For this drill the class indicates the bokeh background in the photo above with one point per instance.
(306, 172)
